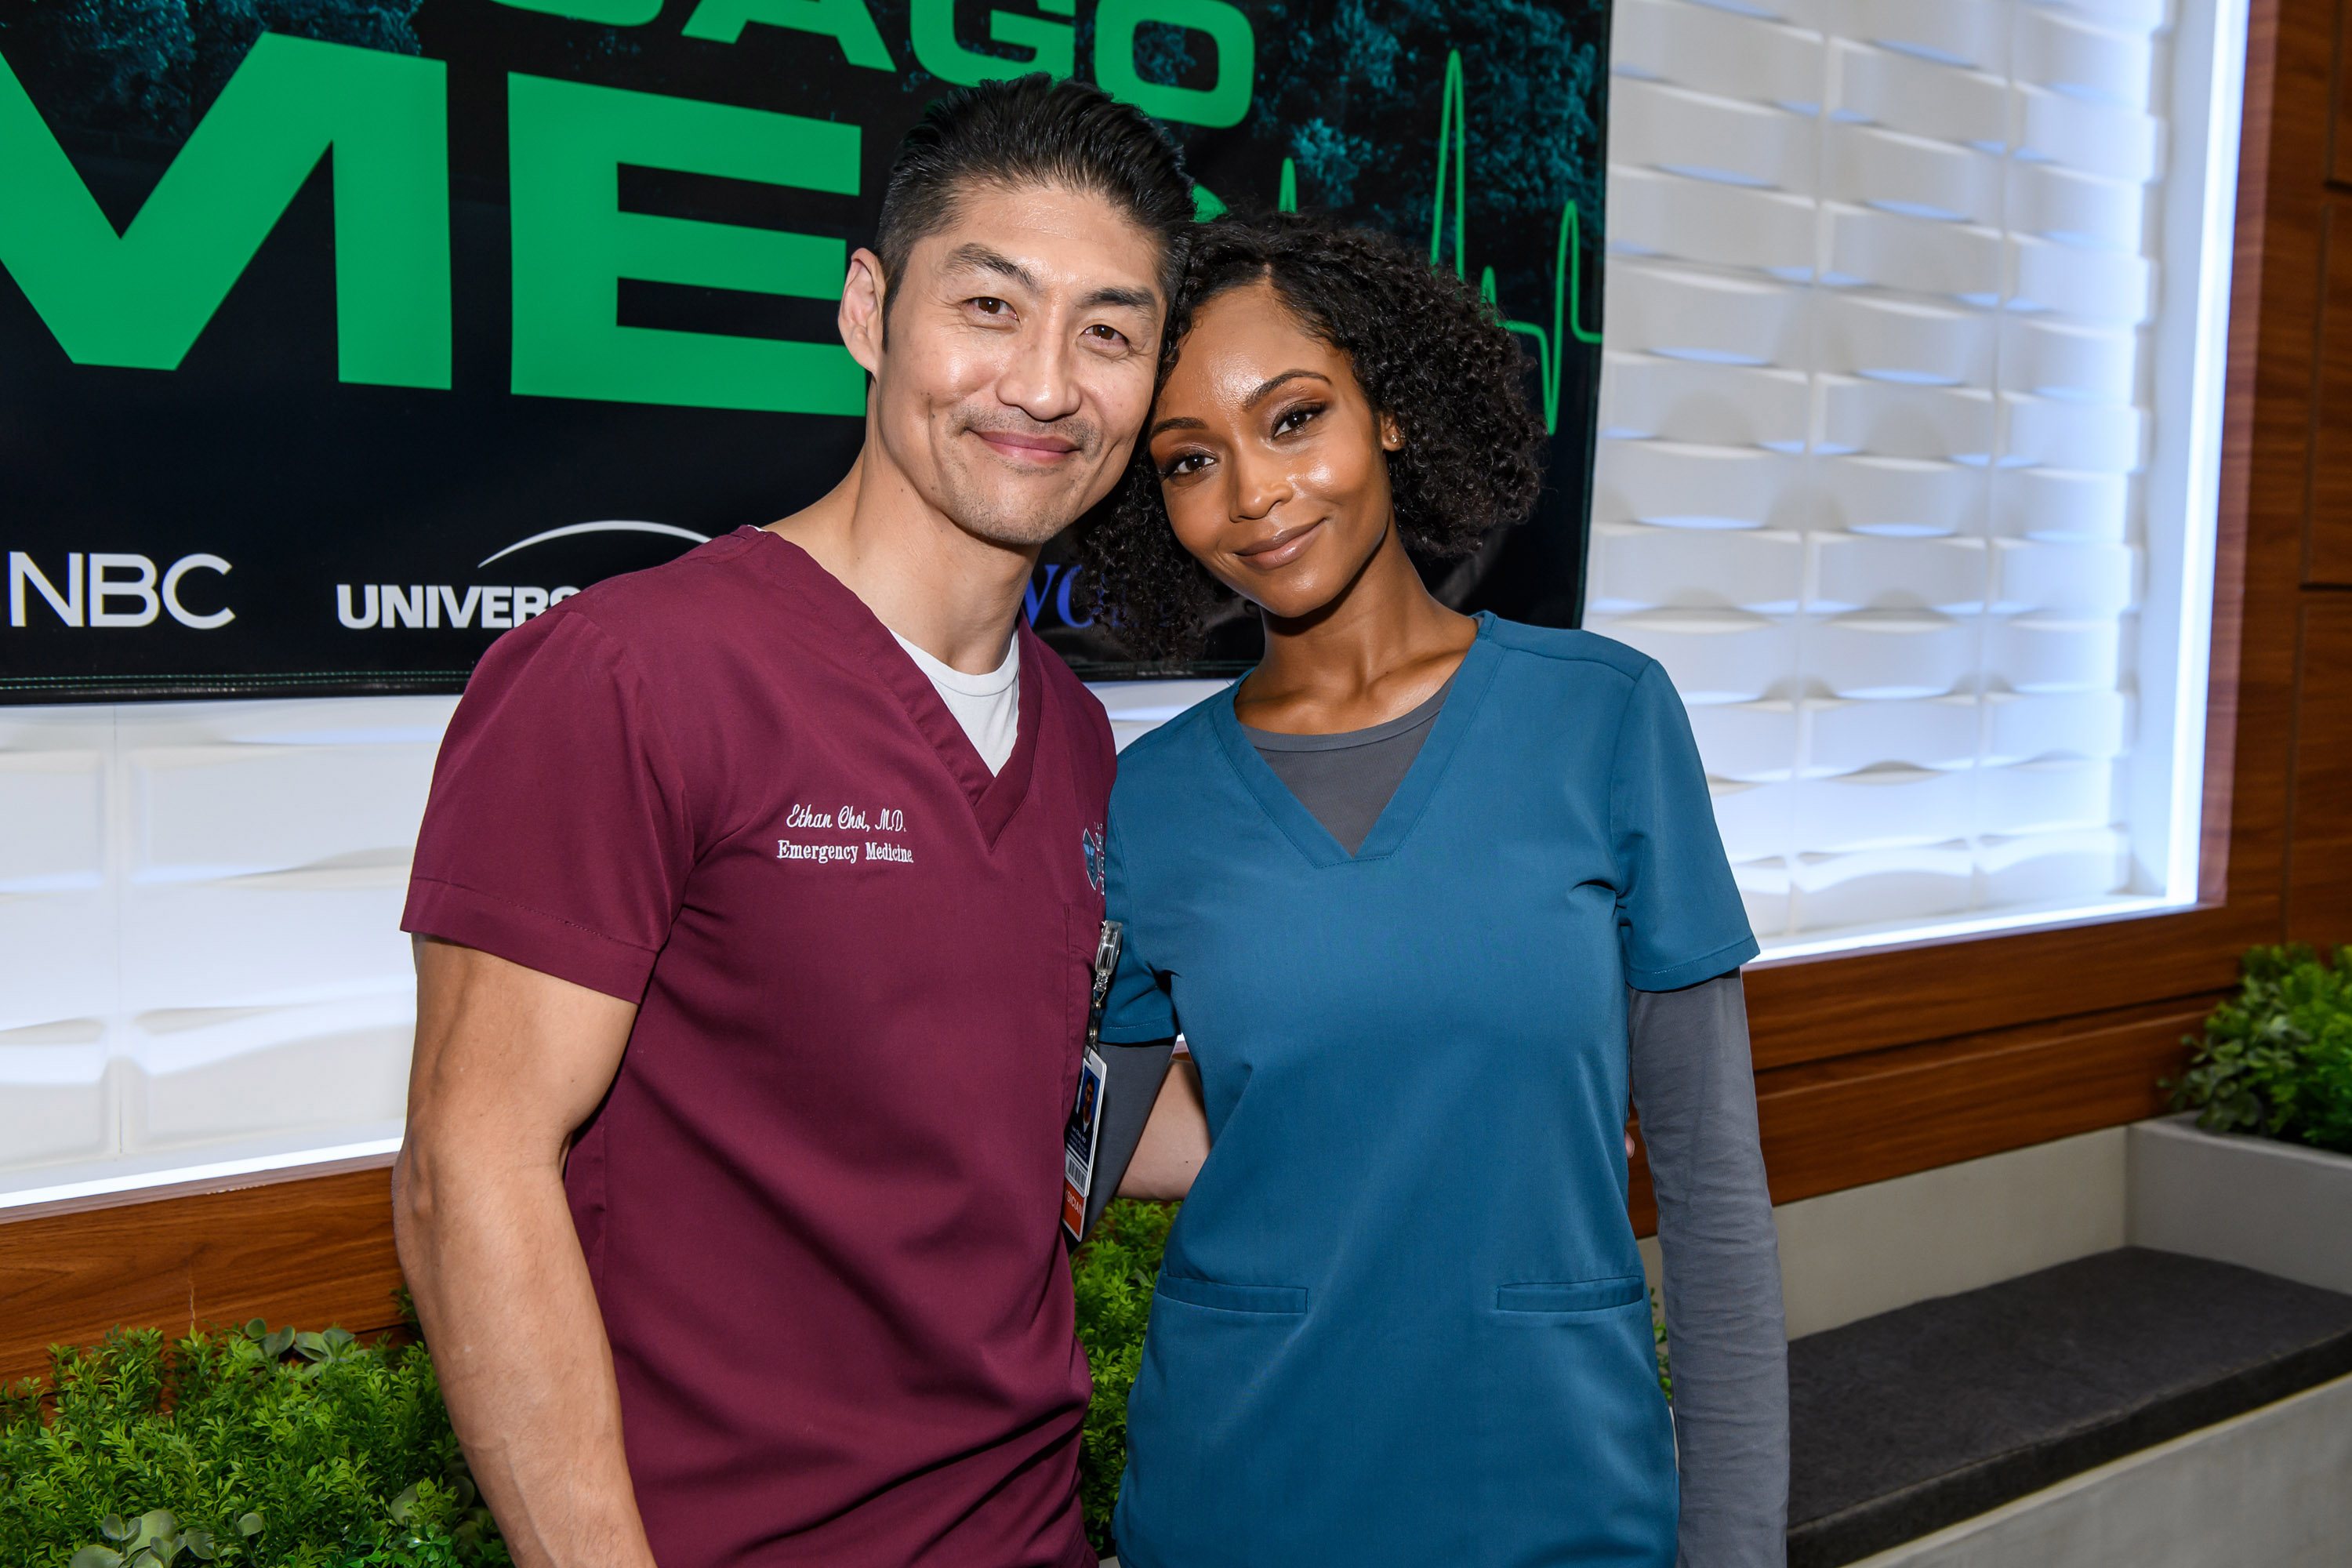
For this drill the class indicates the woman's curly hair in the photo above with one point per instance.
(1427, 352)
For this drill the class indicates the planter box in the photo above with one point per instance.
(2265, 1487)
(2280, 1207)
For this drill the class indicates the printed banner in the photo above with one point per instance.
(340, 336)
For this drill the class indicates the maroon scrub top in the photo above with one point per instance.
(821, 1204)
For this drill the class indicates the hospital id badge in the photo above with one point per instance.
(1080, 1138)
(1078, 1141)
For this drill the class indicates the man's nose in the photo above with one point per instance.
(1040, 378)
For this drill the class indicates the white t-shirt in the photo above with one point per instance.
(987, 706)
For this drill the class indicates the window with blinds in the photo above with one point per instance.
(1908, 418)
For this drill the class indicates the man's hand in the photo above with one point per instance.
(508, 1061)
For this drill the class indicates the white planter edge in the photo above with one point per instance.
(2282, 1209)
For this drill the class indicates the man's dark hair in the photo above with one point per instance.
(1034, 130)
(1427, 352)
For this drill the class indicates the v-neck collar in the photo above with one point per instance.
(1298, 825)
(994, 797)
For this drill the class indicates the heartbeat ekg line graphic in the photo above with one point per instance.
(1567, 265)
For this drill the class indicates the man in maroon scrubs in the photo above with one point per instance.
(760, 916)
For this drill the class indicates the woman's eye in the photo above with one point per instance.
(1183, 464)
(1292, 418)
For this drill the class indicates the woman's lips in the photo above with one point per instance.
(1278, 550)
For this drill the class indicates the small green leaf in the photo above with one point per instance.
(256, 1329)
(96, 1557)
(338, 1338)
(311, 1346)
(250, 1526)
(405, 1504)
(114, 1527)
(276, 1344)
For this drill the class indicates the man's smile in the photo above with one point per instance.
(1044, 451)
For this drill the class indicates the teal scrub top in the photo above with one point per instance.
(1402, 1317)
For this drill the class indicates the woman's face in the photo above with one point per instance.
(1271, 461)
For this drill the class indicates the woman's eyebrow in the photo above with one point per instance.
(1177, 422)
(1264, 387)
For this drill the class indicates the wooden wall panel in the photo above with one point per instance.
(2328, 514)
(2340, 113)
(309, 1253)
(1836, 1124)
(2319, 875)
(1808, 1012)
(1832, 1125)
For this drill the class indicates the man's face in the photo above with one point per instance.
(1019, 359)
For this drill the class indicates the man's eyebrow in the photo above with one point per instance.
(1178, 422)
(1264, 387)
(1128, 298)
(979, 257)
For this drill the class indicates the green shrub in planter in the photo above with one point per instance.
(251, 1448)
(2276, 1060)
(1112, 1275)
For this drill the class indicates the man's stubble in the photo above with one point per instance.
(980, 495)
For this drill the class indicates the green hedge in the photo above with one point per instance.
(257, 1448)
(2276, 1060)
(1113, 1274)
(251, 1448)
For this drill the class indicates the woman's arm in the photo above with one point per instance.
(1694, 1090)
(1174, 1142)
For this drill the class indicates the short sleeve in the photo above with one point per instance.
(1139, 1007)
(1679, 918)
(557, 835)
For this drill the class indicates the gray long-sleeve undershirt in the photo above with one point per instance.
(1695, 1091)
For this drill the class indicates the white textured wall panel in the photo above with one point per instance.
(1876, 354)
(200, 917)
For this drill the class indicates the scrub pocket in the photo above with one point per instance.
(1286, 1301)
(1569, 1382)
(1218, 1410)
(1572, 1296)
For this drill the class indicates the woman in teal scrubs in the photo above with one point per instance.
(1393, 888)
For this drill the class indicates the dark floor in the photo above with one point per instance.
(1919, 1418)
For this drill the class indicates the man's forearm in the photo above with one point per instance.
(503, 1294)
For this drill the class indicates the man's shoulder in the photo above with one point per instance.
(740, 601)
(694, 597)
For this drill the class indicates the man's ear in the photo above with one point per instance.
(1392, 434)
(863, 296)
